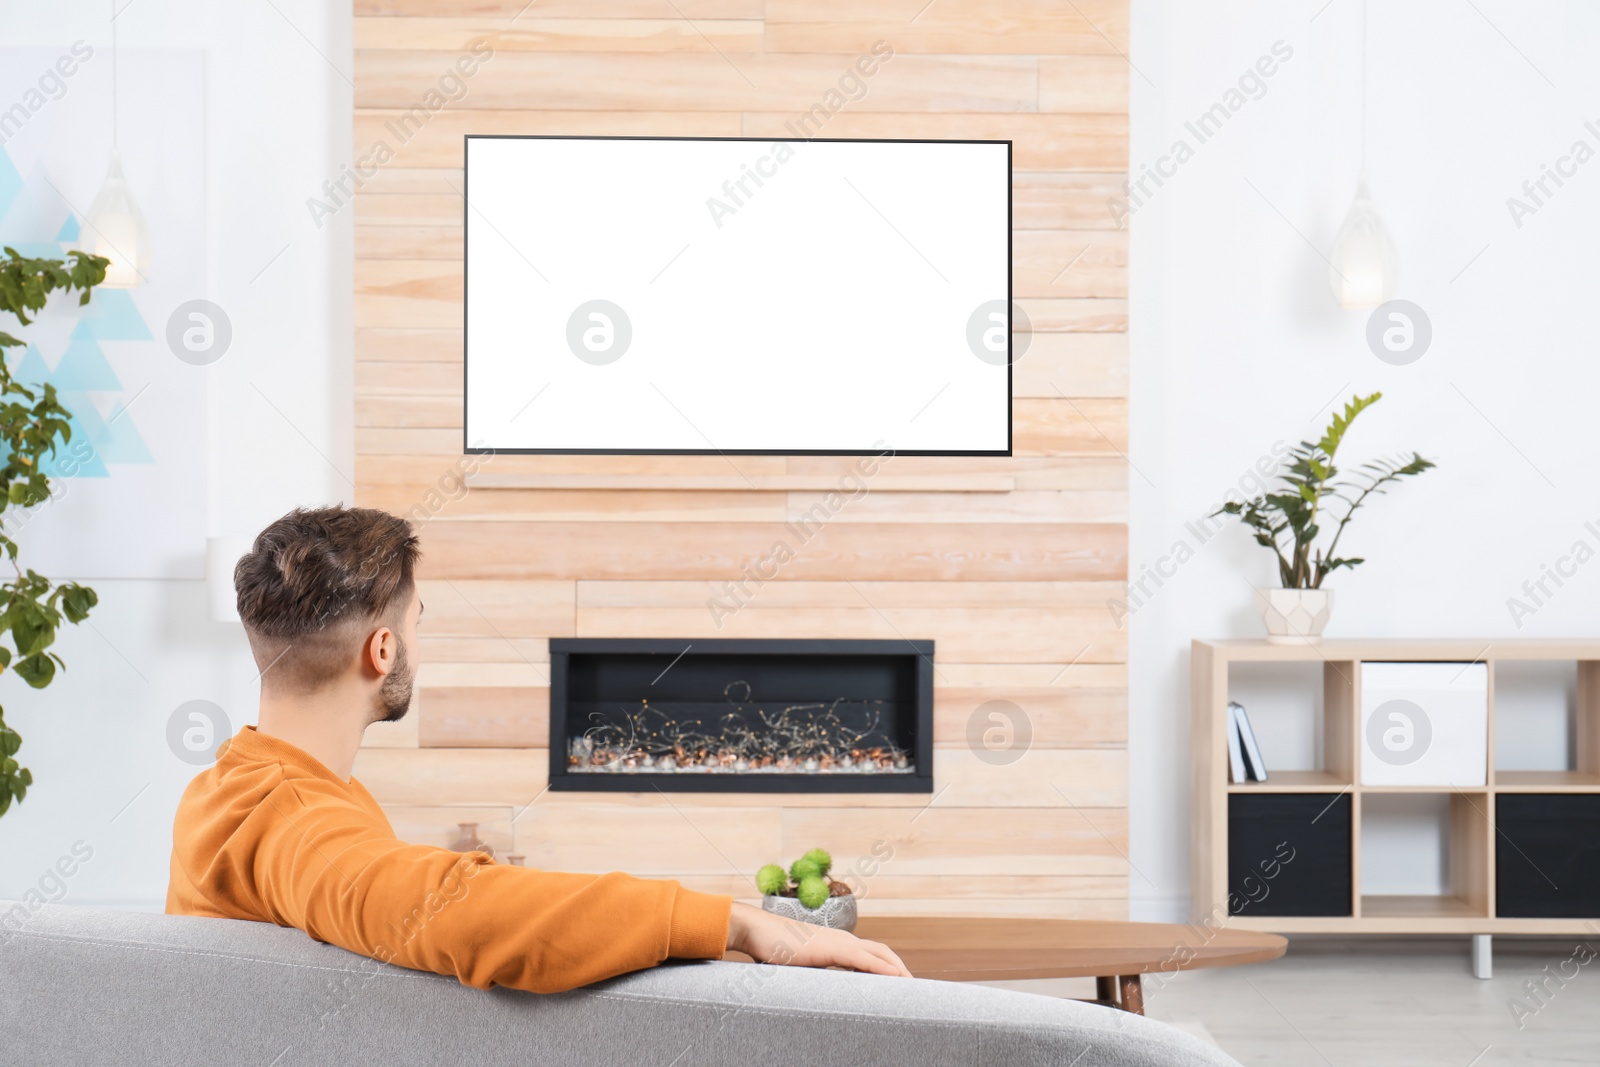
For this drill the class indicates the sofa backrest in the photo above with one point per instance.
(86, 986)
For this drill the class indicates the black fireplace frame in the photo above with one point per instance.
(920, 781)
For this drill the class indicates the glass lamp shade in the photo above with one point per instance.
(116, 229)
(1364, 269)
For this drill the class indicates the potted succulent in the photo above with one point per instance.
(805, 892)
(1291, 520)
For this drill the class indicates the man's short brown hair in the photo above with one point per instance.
(314, 584)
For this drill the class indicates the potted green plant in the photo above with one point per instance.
(805, 892)
(32, 424)
(1291, 522)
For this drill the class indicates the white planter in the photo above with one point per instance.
(836, 912)
(1295, 616)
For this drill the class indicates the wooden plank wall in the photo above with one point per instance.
(1007, 564)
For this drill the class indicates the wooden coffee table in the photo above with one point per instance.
(1116, 954)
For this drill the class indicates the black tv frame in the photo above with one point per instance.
(466, 208)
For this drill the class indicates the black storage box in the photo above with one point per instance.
(1547, 856)
(1289, 854)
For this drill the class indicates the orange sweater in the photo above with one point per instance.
(268, 833)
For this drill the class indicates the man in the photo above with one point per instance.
(278, 831)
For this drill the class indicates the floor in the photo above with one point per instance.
(1402, 1003)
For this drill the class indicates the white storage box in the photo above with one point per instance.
(1424, 724)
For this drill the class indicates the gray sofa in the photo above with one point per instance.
(82, 986)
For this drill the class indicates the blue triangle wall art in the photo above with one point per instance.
(35, 222)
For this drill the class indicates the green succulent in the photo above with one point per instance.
(771, 880)
(813, 891)
(809, 874)
(1303, 506)
(821, 858)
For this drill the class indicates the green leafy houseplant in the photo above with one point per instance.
(32, 424)
(1290, 521)
(806, 879)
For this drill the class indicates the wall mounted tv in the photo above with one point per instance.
(693, 295)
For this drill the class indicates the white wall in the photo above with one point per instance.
(279, 429)
(1237, 342)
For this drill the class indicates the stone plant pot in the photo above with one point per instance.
(838, 913)
(1295, 616)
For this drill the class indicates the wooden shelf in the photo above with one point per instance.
(1295, 782)
(1421, 907)
(1463, 650)
(733, 481)
(1413, 924)
(1439, 790)
(1468, 905)
(1546, 782)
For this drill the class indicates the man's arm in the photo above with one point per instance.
(324, 866)
(772, 939)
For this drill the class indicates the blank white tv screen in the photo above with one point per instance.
(732, 295)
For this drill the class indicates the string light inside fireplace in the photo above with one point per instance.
(840, 736)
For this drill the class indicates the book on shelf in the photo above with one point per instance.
(1235, 748)
(1243, 753)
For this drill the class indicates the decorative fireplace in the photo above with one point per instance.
(763, 716)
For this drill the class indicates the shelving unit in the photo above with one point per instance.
(1472, 838)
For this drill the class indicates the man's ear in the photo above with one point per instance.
(380, 650)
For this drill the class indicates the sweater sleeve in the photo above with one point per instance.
(323, 865)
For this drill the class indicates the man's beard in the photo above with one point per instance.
(394, 695)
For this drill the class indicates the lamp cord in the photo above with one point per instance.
(1364, 88)
(113, 75)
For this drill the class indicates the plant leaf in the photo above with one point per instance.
(37, 670)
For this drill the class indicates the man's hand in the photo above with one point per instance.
(768, 938)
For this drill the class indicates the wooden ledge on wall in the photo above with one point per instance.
(968, 483)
